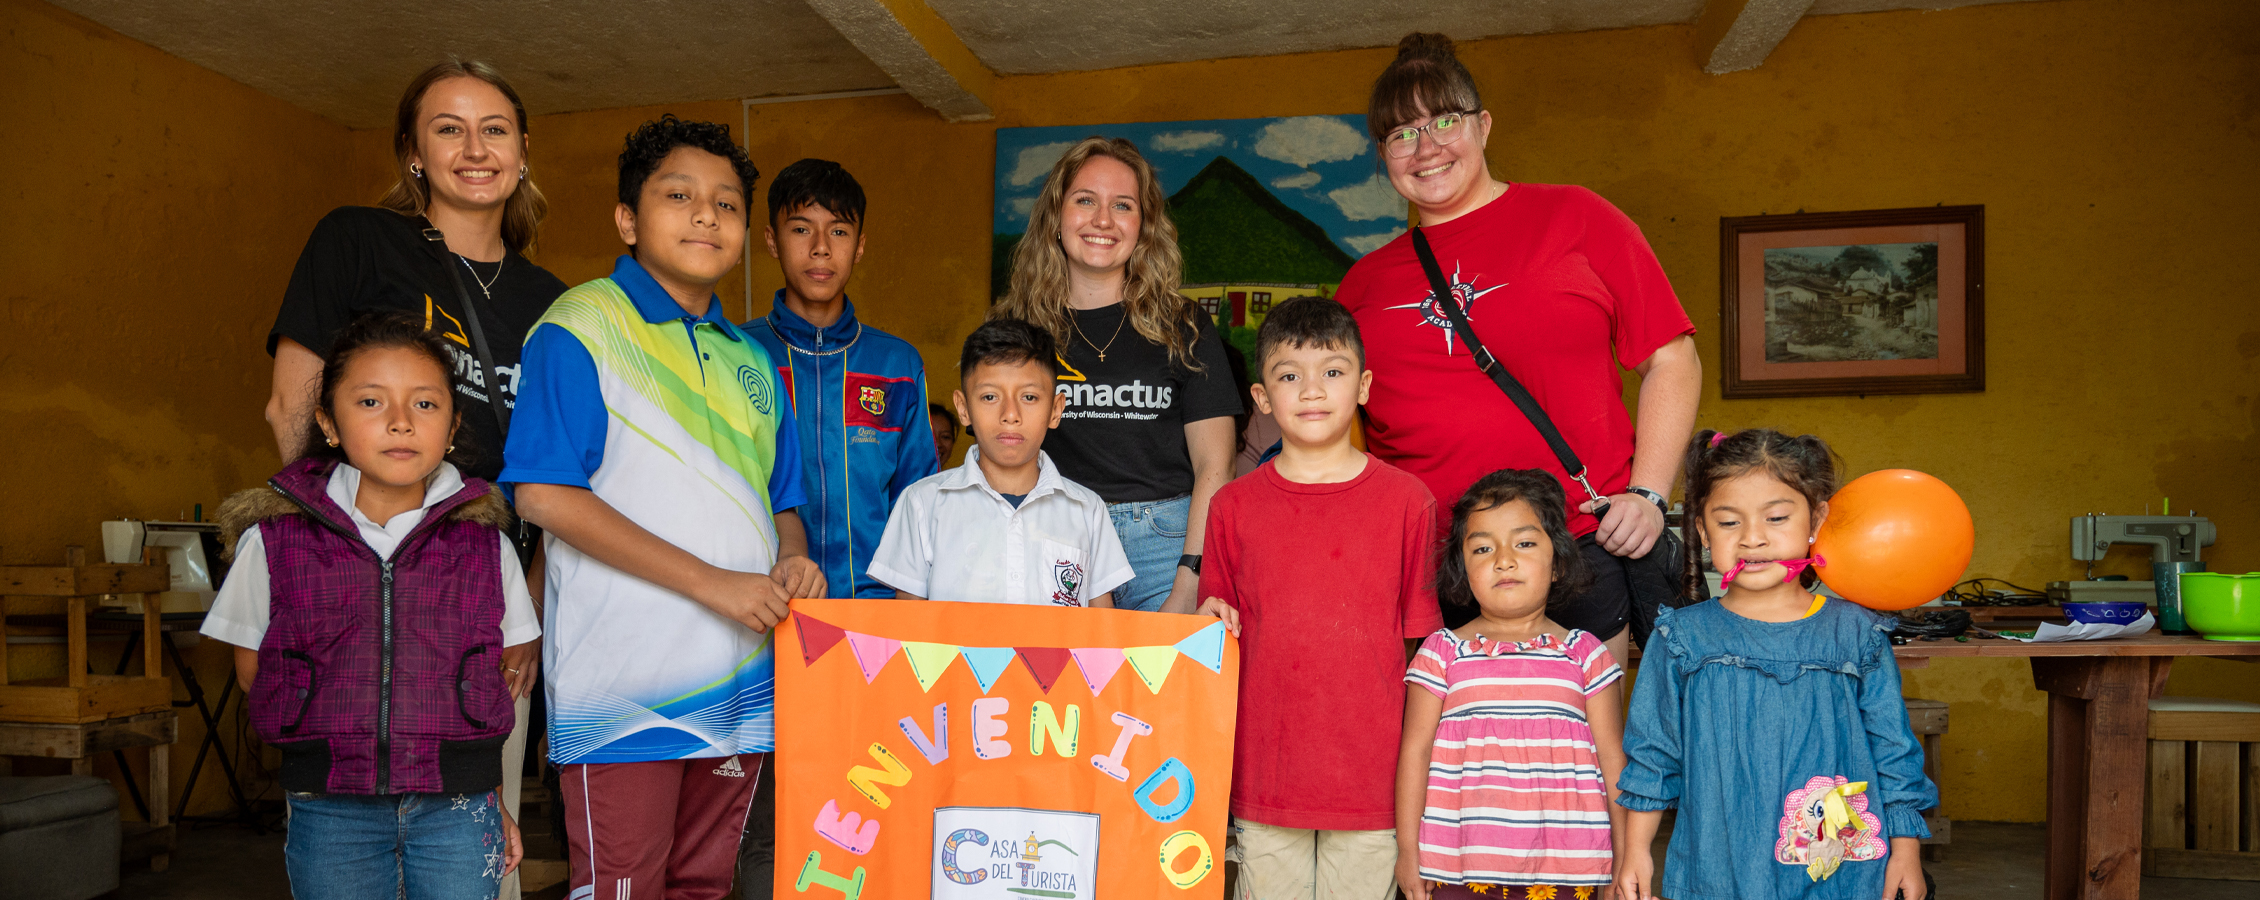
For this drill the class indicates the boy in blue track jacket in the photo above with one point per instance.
(859, 394)
(859, 399)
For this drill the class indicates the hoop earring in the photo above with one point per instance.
(522, 172)
(416, 170)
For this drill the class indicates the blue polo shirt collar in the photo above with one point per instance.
(656, 305)
(802, 332)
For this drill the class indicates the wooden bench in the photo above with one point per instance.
(2202, 810)
(1928, 719)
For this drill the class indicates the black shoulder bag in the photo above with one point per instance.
(526, 536)
(1654, 580)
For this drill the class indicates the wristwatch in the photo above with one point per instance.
(1661, 502)
(1190, 561)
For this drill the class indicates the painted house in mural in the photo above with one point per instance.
(1244, 304)
(1246, 252)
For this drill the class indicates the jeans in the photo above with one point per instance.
(1153, 537)
(379, 847)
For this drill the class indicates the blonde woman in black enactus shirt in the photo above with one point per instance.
(459, 146)
(1150, 399)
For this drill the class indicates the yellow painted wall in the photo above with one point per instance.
(2111, 141)
(154, 209)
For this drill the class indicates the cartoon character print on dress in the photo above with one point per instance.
(1825, 823)
(1067, 577)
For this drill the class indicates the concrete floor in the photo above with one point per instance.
(1988, 861)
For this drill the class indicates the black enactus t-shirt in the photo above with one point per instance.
(363, 259)
(1123, 433)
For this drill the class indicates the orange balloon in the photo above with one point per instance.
(1895, 539)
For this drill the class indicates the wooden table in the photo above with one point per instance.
(2098, 713)
(81, 715)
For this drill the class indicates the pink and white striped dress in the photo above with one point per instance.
(1515, 795)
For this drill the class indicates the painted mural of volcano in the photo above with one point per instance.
(1230, 229)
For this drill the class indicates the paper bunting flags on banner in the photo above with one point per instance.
(1152, 664)
(1043, 663)
(928, 661)
(872, 652)
(987, 663)
(816, 637)
(1098, 665)
(1206, 647)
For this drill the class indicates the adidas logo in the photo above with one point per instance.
(730, 768)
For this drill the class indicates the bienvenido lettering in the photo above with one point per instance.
(1050, 729)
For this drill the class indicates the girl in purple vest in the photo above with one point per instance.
(379, 591)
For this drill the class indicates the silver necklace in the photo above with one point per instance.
(772, 323)
(485, 286)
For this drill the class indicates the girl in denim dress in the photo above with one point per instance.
(1771, 719)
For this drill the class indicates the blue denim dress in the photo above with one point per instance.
(1785, 748)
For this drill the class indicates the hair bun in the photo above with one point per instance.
(1425, 45)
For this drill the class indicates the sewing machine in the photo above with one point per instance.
(192, 549)
(2174, 542)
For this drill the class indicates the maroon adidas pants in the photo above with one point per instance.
(657, 830)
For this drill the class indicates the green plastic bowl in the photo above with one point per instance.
(2221, 606)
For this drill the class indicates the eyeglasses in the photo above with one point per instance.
(1442, 130)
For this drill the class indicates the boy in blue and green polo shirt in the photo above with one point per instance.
(654, 446)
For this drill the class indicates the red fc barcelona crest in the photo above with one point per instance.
(873, 400)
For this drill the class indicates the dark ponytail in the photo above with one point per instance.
(1425, 78)
(1804, 462)
(381, 331)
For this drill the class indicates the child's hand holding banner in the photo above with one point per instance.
(990, 752)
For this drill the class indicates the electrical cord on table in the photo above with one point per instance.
(1974, 593)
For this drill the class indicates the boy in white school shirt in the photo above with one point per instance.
(1004, 527)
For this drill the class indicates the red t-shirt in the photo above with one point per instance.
(1329, 579)
(1564, 290)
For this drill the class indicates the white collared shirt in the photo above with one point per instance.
(953, 537)
(240, 612)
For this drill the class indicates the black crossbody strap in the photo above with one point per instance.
(1450, 304)
(487, 373)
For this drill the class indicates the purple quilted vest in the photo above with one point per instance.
(381, 677)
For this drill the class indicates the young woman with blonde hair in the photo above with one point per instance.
(1150, 397)
(450, 231)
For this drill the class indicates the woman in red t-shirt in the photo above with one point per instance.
(1563, 289)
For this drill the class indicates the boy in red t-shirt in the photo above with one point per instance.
(1321, 561)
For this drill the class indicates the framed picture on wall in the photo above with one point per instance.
(1884, 301)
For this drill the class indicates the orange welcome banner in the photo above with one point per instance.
(978, 751)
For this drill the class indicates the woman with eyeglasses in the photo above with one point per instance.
(444, 245)
(1563, 289)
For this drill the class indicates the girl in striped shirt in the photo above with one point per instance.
(1513, 733)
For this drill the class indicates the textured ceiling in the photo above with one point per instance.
(1016, 37)
(348, 61)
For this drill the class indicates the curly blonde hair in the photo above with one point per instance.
(1149, 286)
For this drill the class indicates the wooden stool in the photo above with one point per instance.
(82, 715)
(2202, 813)
(1928, 719)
